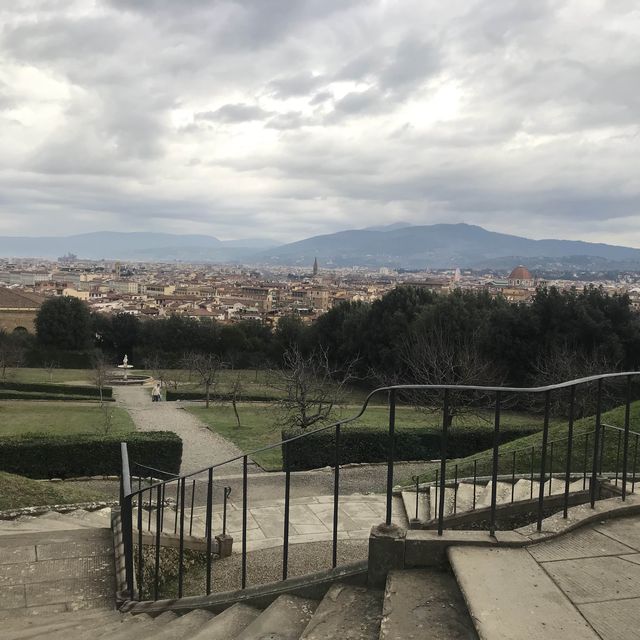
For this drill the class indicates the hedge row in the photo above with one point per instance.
(225, 397)
(25, 395)
(364, 444)
(58, 389)
(45, 456)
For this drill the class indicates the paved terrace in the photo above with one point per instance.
(582, 585)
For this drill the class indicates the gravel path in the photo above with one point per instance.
(201, 447)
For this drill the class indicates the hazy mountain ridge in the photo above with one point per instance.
(397, 245)
(132, 246)
(437, 246)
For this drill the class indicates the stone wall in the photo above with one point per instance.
(10, 320)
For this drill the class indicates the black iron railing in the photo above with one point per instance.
(588, 460)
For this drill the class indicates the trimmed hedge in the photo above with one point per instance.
(200, 395)
(45, 456)
(25, 395)
(58, 389)
(364, 444)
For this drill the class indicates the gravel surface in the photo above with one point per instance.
(201, 447)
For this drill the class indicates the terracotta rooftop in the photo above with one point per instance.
(15, 299)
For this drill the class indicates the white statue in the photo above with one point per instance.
(125, 361)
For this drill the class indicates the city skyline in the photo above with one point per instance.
(298, 119)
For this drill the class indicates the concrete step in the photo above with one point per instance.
(229, 624)
(424, 603)
(53, 626)
(434, 501)
(135, 628)
(503, 494)
(514, 599)
(181, 628)
(346, 613)
(553, 486)
(285, 618)
(464, 500)
(409, 504)
(524, 490)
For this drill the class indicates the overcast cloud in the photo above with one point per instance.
(289, 118)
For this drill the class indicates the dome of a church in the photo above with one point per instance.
(521, 273)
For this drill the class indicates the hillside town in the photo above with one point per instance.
(230, 294)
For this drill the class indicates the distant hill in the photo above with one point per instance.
(132, 246)
(442, 246)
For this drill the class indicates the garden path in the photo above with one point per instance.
(201, 447)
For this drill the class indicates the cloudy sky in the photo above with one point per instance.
(288, 118)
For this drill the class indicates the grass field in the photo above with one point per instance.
(259, 424)
(17, 492)
(582, 453)
(58, 376)
(60, 418)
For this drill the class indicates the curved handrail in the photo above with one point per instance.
(402, 387)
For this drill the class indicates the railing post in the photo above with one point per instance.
(181, 543)
(625, 448)
(596, 445)
(391, 449)
(443, 460)
(494, 467)
(208, 527)
(567, 476)
(336, 499)
(543, 457)
(244, 522)
(126, 518)
(287, 499)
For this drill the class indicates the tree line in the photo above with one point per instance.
(410, 334)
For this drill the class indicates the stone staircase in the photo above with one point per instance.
(57, 521)
(466, 496)
(415, 603)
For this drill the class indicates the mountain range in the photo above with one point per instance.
(399, 245)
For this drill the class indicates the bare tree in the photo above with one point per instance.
(154, 364)
(235, 392)
(437, 357)
(567, 363)
(100, 375)
(50, 366)
(310, 387)
(206, 368)
(107, 418)
(11, 354)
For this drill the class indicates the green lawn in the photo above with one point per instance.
(259, 424)
(582, 449)
(17, 492)
(59, 376)
(21, 417)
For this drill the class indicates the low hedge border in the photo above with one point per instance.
(44, 456)
(220, 397)
(367, 445)
(57, 389)
(25, 395)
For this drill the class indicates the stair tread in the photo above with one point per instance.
(181, 627)
(228, 624)
(286, 616)
(346, 613)
(49, 626)
(418, 602)
(515, 599)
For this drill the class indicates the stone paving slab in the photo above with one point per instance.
(583, 543)
(618, 620)
(56, 571)
(625, 530)
(596, 579)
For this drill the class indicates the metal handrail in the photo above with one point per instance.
(158, 489)
(413, 387)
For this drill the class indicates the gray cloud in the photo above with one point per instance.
(306, 117)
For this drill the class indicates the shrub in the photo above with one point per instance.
(56, 389)
(224, 397)
(47, 456)
(364, 444)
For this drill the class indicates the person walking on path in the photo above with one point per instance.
(156, 394)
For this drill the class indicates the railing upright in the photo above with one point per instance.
(567, 476)
(156, 571)
(494, 466)
(391, 454)
(287, 498)
(243, 579)
(625, 448)
(181, 543)
(336, 498)
(443, 460)
(126, 516)
(596, 438)
(208, 527)
(543, 458)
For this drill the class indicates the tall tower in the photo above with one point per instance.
(315, 266)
